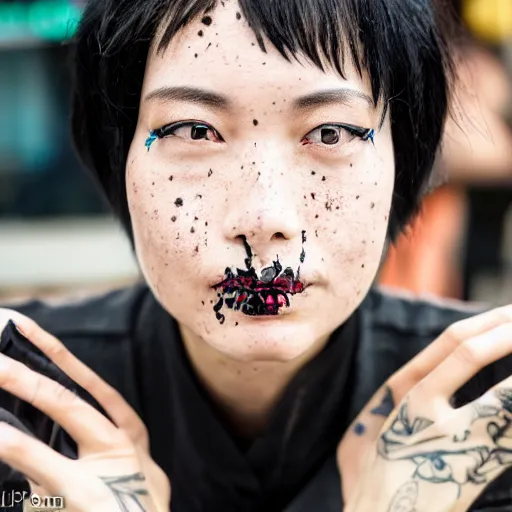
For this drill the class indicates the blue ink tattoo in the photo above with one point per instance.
(359, 429)
(385, 408)
(464, 463)
(152, 137)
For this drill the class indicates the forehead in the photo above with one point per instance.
(219, 50)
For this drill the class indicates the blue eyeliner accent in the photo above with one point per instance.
(371, 136)
(152, 137)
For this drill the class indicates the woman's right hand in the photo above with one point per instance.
(423, 455)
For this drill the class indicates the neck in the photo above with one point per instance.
(245, 393)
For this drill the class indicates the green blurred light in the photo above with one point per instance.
(45, 19)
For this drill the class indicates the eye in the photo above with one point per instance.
(337, 134)
(189, 130)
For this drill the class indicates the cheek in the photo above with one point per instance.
(169, 222)
(350, 216)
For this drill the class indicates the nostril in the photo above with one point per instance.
(279, 235)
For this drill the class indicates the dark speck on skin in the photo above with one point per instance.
(316, 216)
(207, 20)
(323, 178)
(209, 44)
(313, 173)
(236, 324)
(171, 178)
(178, 202)
(351, 165)
(210, 172)
(357, 197)
(362, 266)
(255, 122)
(200, 33)
(197, 250)
(192, 230)
(313, 196)
(238, 16)
(372, 205)
(173, 218)
(195, 55)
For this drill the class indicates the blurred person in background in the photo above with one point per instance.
(440, 251)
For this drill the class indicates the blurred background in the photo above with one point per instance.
(56, 234)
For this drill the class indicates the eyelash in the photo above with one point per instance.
(364, 134)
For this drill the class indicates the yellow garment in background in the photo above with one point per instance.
(490, 20)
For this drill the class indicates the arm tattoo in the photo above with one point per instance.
(127, 491)
(405, 498)
(457, 459)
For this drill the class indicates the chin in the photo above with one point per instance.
(276, 340)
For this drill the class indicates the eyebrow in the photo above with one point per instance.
(190, 95)
(323, 98)
(219, 101)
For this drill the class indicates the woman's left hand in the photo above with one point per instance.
(114, 471)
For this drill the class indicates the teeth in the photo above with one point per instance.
(231, 295)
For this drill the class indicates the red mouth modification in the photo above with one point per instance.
(257, 296)
(253, 296)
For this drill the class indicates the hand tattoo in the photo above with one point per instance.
(127, 492)
(405, 498)
(437, 461)
(385, 408)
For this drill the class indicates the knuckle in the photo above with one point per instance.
(63, 396)
(11, 440)
(468, 353)
(55, 350)
(458, 332)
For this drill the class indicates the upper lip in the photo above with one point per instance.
(249, 281)
(283, 284)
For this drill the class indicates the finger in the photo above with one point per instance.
(431, 357)
(466, 361)
(109, 398)
(88, 427)
(33, 458)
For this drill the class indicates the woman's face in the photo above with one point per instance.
(251, 169)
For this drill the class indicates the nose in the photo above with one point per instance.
(265, 211)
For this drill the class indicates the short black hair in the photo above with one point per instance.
(399, 43)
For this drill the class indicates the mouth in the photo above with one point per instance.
(265, 295)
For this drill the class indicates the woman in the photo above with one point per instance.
(260, 155)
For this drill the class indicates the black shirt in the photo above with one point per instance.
(130, 341)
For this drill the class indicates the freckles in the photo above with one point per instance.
(210, 172)
(179, 202)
